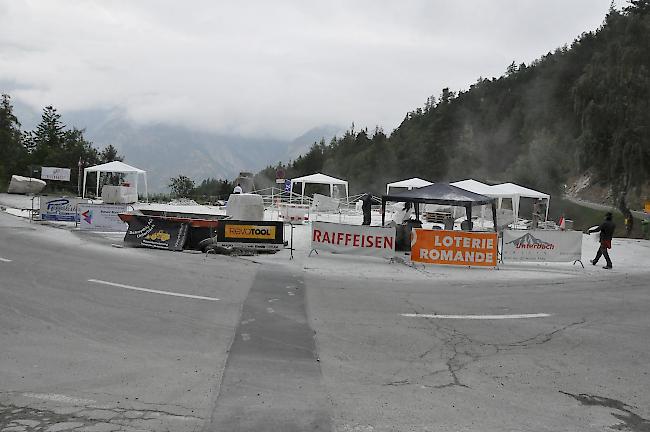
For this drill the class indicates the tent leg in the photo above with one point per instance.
(494, 217)
(383, 212)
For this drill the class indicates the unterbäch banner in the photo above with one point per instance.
(463, 248)
(102, 217)
(353, 239)
(542, 245)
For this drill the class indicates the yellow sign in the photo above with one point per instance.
(647, 207)
(159, 235)
(250, 232)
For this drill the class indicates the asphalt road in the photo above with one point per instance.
(82, 347)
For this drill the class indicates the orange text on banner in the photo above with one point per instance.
(454, 248)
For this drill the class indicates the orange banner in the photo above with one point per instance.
(454, 247)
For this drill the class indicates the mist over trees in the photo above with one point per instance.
(583, 108)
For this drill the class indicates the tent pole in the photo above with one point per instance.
(146, 189)
(383, 212)
(302, 196)
(494, 216)
(83, 191)
(468, 213)
(97, 190)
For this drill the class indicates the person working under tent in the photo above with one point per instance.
(238, 189)
(366, 208)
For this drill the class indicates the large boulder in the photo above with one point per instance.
(25, 185)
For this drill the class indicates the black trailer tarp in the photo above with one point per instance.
(441, 194)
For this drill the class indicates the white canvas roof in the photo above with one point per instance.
(516, 192)
(411, 183)
(515, 189)
(116, 167)
(319, 178)
(481, 188)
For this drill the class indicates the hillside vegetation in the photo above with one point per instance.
(583, 108)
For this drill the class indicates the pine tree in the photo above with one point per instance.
(11, 148)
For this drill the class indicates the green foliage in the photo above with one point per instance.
(181, 186)
(581, 108)
(50, 144)
(13, 153)
(210, 189)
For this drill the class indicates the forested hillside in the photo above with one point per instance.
(583, 108)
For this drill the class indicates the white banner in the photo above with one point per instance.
(353, 239)
(53, 173)
(102, 217)
(60, 209)
(542, 245)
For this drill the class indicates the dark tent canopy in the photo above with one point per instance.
(441, 194)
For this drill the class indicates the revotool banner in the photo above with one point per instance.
(60, 209)
(101, 217)
(463, 248)
(156, 233)
(249, 234)
(542, 245)
(353, 239)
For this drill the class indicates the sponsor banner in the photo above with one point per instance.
(155, 233)
(101, 217)
(353, 239)
(238, 233)
(60, 209)
(464, 248)
(53, 173)
(542, 245)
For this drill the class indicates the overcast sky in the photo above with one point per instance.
(271, 67)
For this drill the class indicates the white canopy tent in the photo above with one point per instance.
(504, 191)
(482, 189)
(116, 167)
(409, 184)
(515, 191)
(319, 178)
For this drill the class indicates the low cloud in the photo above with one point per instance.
(270, 68)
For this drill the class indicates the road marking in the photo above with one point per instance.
(270, 310)
(59, 398)
(478, 317)
(169, 293)
(5, 260)
(245, 337)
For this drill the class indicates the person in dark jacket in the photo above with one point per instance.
(366, 206)
(606, 230)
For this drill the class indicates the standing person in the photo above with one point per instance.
(606, 230)
(238, 189)
(536, 213)
(366, 207)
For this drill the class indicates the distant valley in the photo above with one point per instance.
(166, 151)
